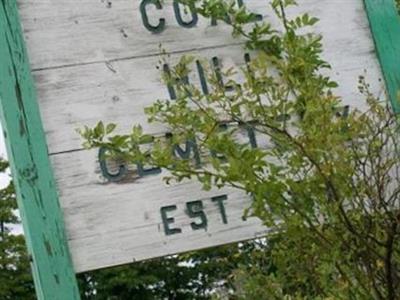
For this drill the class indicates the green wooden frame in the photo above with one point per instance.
(30, 165)
(385, 26)
(26, 143)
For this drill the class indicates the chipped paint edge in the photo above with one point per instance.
(36, 190)
(385, 27)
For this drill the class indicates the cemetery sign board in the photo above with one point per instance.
(97, 60)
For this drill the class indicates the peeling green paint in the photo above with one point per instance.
(385, 26)
(35, 186)
(37, 195)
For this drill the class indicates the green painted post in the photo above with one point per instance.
(37, 195)
(385, 26)
(35, 185)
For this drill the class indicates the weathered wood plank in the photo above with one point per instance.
(32, 173)
(119, 91)
(72, 32)
(69, 32)
(82, 79)
(116, 223)
(71, 97)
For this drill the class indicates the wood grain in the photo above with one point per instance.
(119, 91)
(121, 223)
(95, 62)
(32, 173)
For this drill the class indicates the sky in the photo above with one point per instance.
(5, 178)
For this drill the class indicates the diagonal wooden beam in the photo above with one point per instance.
(32, 173)
(385, 27)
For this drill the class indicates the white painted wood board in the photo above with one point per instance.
(92, 61)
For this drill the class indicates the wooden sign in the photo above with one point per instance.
(97, 60)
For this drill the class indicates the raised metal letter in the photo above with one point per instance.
(169, 220)
(179, 19)
(220, 202)
(161, 25)
(104, 169)
(195, 210)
